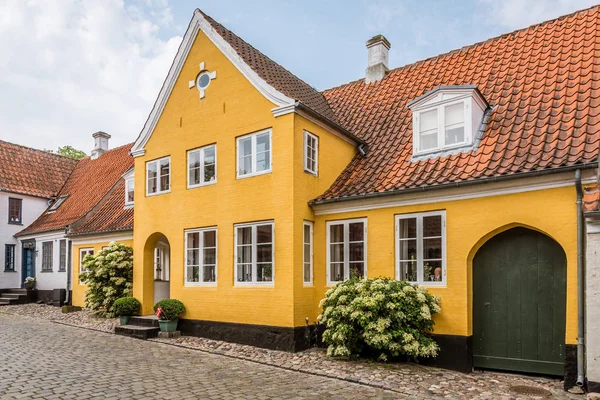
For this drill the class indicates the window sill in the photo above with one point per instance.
(47, 271)
(315, 174)
(10, 270)
(202, 185)
(16, 223)
(158, 193)
(441, 152)
(62, 270)
(254, 174)
(308, 285)
(200, 284)
(254, 285)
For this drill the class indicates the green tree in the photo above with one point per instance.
(71, 152)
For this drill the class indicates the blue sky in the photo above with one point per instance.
(73, 67)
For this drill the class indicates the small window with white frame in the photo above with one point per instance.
(57, 203)
(311, 153)
(158, 176)
(82, 254)
(202, 166)
(254, 254)
(307, 253)
(129, 191)
(346, 250)
(201, 257)
(421, 248)
(47, 256)
(254, 154)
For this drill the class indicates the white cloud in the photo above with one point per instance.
(69, 68)
(516, 14)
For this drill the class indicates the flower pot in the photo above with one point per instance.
(124, 319)
(168, 326)
(29, 286)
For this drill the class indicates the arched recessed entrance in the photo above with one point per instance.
(519, 303)
(157, 265)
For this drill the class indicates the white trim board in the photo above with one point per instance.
(100, 239)
(455, 194)
(199, 23)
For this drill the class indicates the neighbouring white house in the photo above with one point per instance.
(29, 180)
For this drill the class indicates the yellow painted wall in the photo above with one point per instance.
(78, 288)
(469, 223)
(232, 107)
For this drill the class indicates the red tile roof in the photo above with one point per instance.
(274, 74)
(542, 82)
(89, 183)
(591, 198)
(32, 172)
(110, 216)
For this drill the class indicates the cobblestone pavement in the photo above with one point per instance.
(43, 360)
(406, 380)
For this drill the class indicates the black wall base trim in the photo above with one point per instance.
(570, 366)
(45, 295)
(593, 387)
(456, 353)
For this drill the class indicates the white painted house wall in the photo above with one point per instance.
(32, 208)
(592, 299)
(49, 280)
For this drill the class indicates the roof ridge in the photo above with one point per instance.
(473, 45)
(48, 152)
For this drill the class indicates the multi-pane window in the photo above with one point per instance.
(311, 153)
(254, 154)
(47, 250)
(346, 250)
(9, 257)
(440, 127)
(307, 254)
(82, 254)
(129, 191)
(202, 166)
(201, 257)
(62, 255)
(15, 211)
(420, 248)
(158, 176)
(254, 254)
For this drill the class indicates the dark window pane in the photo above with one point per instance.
(337, 253)
(210, 256)
(432, 248)
(193, 274)
(193, 257)
(408, 249)
(357, 251)
(357, 232)
(244, 272)
(244, 235)
(210, 239)
(306, 253)
(432, 226)
(306, 272)
(306, 233)
(336, 233)
(209, 273)
(432, 271)
(336, 272)
(264, 234)
(264, 253)
(357, 269)
(264, 272)
(408, 271)
(244, 254)
(408, 228)
(193, 241)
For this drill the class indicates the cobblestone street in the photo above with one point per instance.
(44, 360)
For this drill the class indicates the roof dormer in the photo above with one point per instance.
(446, 118)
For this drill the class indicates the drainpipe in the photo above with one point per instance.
(580, 282)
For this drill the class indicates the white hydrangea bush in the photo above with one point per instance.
(108, 276)
(382, 317)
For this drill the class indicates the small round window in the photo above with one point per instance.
(203, 80)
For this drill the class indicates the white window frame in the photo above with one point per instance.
(441, 127)
(311, 244)
(201, 151)
(346, 223)
(253, 225)
(308, 135)
(253, 154)
(87, 251)
(419, 260)
(57, 203)
(157, 162)
(201, 232)
(128, 182)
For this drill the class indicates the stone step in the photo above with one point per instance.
(7, 302)
(21, 291)
(136, 331)
(14, 296)
(145, 320)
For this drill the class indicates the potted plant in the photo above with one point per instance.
(168, 312)
(125, 307)
(29, 283)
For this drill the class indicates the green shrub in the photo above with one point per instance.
(382, 317)
(126, 307)
(108, 276)
(172, 309)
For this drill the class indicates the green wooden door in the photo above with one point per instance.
(519, 303)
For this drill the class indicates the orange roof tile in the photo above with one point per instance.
(542, 82)
(89, 183)
(591, 199)
(110, 216)
(32, 172)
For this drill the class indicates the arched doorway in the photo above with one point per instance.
(519, 303)
(157, 266)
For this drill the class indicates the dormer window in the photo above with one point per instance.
(57, 204)
(446, 118)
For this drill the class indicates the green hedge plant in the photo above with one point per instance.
(108, 276)
(382, 317)
(126, 307)
(172, 309)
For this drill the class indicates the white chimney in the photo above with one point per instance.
(378, 47)
(100, 143)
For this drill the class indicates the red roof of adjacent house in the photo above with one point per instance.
(274, 74)
(32, 172)
(542, 82)
(591, 198)
(110, 216)
(89, 184)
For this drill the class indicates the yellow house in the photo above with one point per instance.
(255, 192)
